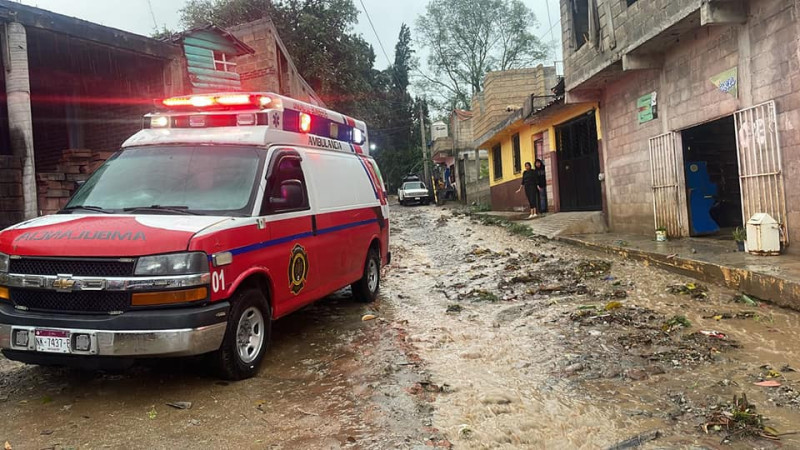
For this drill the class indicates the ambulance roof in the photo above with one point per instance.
(250, 118)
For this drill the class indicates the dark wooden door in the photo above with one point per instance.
(579, 165)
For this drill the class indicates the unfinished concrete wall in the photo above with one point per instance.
(621, 29)
(271, 68)
(509, 88)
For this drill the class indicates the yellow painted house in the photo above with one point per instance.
(566, 137)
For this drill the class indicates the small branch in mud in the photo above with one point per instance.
(740, 420)
(306, 412)
(636, 441)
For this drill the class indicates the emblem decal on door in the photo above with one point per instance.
(298, 269)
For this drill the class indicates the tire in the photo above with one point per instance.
(402, 203)
(251, 313)
(366, 289)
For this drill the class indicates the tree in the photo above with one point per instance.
(467, 38)
(398, 153)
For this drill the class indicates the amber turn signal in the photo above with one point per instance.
(4, 293)
(168, 297)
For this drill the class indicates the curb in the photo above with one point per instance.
(771, 288)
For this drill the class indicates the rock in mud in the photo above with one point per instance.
(495, 398)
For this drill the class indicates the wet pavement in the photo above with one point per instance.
(483, 338)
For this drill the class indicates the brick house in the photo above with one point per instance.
(700, 102)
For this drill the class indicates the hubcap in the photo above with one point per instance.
(372, 275)
(250, 334)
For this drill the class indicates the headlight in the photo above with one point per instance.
(174, 264)
(3, 262)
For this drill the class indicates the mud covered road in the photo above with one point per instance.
(482, 338)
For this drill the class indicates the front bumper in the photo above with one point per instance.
(154, 333)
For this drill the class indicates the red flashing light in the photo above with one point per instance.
(305, 122)
(217, 101)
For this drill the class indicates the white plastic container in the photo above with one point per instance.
(763, 235)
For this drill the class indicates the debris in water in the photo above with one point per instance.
(480, 295)
(739, 420)
(746, 299)
(695, 290)
(8, 446)
(739, 315)
(152, 413)
(610, 306)
(675, 322)
(593, 268)
(714, 334)
(787, 368)
(465, 432)
(367, 317)
(768, 383)
(454, 308)
(636, 441)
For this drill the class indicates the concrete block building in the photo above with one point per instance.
(700, 105)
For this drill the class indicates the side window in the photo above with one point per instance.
(286, 186)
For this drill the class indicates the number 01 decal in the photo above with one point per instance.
(218, 281)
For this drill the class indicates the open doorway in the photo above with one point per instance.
(712, 178)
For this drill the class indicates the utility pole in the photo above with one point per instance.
(424, 147)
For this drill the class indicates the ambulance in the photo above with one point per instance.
(225, 212)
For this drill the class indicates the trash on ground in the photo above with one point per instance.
(714, 334)
(768, 383)
(675, 322)
(610, 306)
(739, 420)
(367, 317)
(695, 290)
(746, 299)
(454, 308)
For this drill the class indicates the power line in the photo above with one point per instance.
(369, 19)
(550, 20)
(153, 15)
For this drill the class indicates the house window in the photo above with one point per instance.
(517, 155)
(222, 63)
(497, 161)
(580, 21)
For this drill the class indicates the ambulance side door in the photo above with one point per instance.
(287, 208)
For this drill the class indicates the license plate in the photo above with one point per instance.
(52, 341)
(416, 198)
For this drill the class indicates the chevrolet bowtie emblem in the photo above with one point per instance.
(63, 283)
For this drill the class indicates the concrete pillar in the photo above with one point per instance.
(18, 99)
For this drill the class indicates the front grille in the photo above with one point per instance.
(75, 267)
(89, 302)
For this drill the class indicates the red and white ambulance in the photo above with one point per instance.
(224, 213)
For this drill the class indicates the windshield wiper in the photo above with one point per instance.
(87, 208)
(175, 209)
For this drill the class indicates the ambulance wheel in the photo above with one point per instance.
(246, 338)
(366, 289)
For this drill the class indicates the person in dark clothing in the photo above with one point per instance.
(529, 185)
(541, 185)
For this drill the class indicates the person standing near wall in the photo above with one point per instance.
(531, 189)
(541, 185)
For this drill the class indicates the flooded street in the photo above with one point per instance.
(483, 339)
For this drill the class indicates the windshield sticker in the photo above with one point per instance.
(83, 235)
(317, 141)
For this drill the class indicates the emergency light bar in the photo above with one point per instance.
(220, 101)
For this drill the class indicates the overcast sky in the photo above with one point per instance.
(136, 16)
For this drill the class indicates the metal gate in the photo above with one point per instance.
(760, 164)
(666, 170)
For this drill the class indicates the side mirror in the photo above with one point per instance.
(291, 196)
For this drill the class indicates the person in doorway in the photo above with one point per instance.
(541, 185)
(531, 189)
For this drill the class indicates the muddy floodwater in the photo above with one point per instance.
(482, 339)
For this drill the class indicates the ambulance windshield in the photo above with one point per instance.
(174, 180)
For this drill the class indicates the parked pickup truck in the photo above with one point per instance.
(413, 192)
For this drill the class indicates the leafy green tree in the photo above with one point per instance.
(467, 38)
